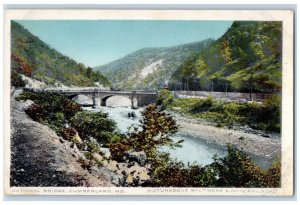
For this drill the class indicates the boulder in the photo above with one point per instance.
(129, 179)
(27, 104)
(16, 92)
(77, 139)
(104, 173)
(139, 157)
(112, 165)
(136, 175)
(105, 152)
(143, 176)
(98, 158)
(104, 163)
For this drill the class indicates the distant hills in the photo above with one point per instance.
(246, 58)
(34, 58)
(149, 68)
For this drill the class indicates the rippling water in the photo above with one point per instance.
(194, 149)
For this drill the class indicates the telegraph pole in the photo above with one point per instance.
(251, 86)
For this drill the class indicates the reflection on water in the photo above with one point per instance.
(194, 149)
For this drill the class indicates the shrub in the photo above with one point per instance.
(69, 133)
(53, 103)
(203, 105)
(118, 150)
(16, 80)
(164, 99)
(22, 66)
(93, 145)
(36, 111)
(157, 128)
(236, 169)
(273, 174)
(70, 108)
(263, 116)
(94, 124)
(175, 174)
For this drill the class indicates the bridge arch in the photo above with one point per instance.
(84, 100)
(100, 97)
(104, 99)
(116, 101)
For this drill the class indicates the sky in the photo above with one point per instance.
(97, 42)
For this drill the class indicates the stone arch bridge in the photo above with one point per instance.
(138, 98)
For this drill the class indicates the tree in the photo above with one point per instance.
(89, 72)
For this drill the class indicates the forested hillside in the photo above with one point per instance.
(34, 58)
(246, 58)
(149, 68)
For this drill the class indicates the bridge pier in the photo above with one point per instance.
(96, 101)
(134, 103)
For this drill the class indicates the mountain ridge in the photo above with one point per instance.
(36, 59)
(121, 71)
(246, 58)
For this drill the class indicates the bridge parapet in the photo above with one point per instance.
(142, 98)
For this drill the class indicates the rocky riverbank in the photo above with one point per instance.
(255, 143)
(39, 157)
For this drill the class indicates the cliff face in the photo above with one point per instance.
(40, 158)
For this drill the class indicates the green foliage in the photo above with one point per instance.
(93, 145)
(50, 109)
(52, 104)
(164, 99)
(175, 174)
(118, 149)
(69, 133)
(16, 80)
(247, 57)
(262, 116)
(203, 105)
(94, 124)
(20, 65)
(36, 111)
(34, 58)
(273, 175)
(157, 129)
(235, 169)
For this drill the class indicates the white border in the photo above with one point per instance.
(286, 16)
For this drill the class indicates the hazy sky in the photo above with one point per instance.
(98, 42)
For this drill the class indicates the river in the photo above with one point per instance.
(194, 149)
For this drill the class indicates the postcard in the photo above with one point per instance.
(149, 102)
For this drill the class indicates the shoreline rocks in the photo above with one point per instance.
(251, 141)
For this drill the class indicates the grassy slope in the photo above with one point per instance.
(249, 53)
(265, 116)
(36, 59)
